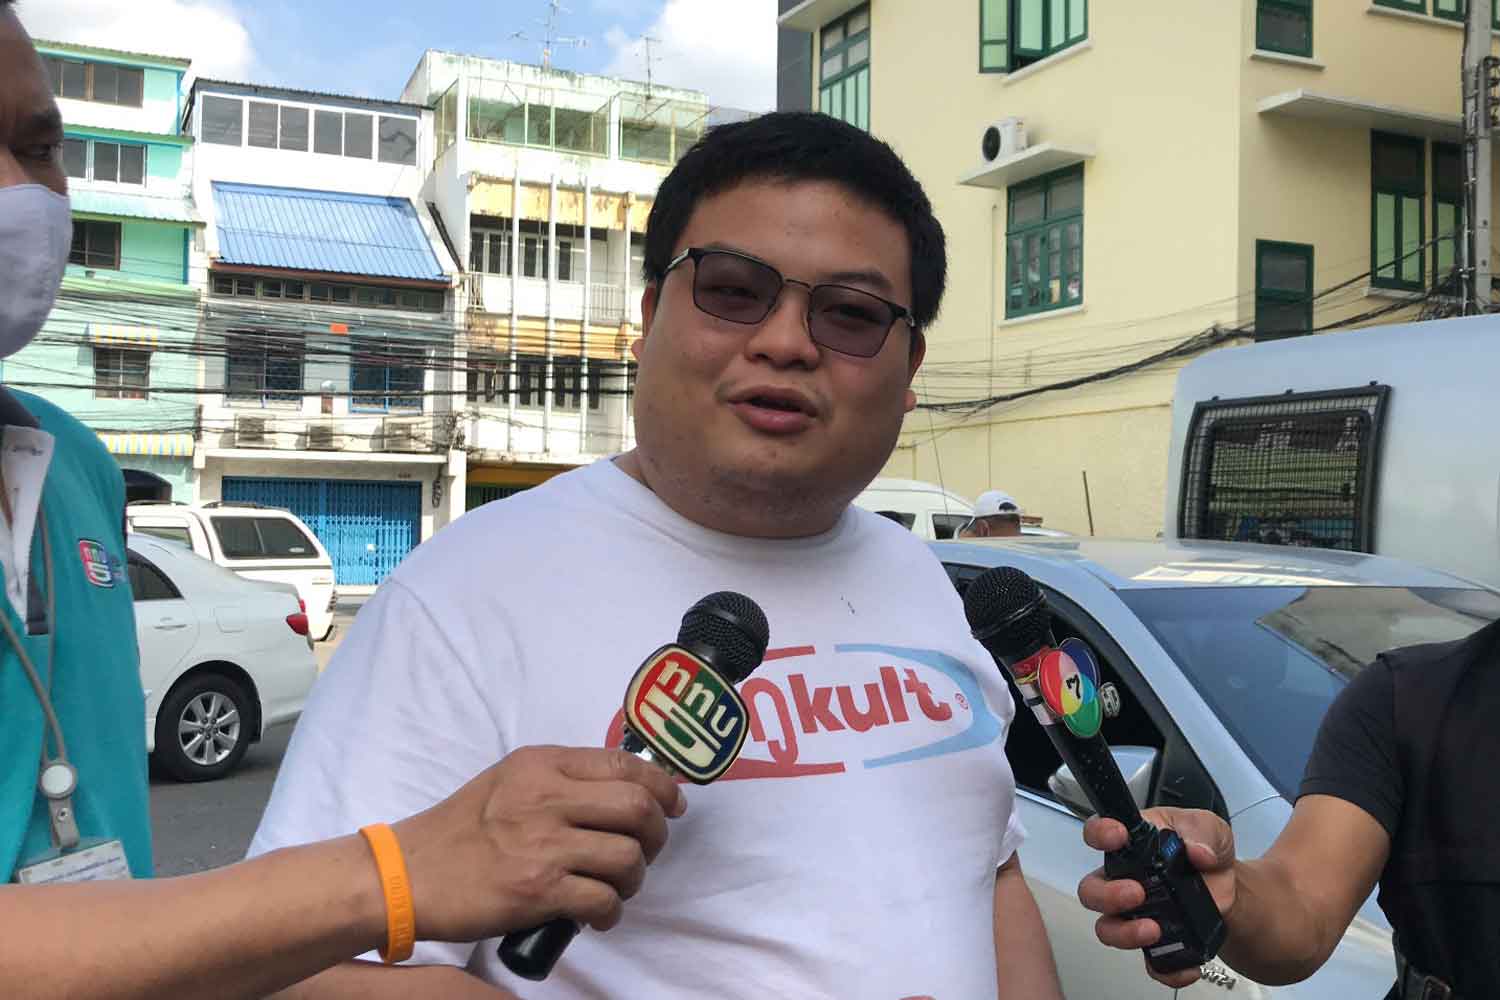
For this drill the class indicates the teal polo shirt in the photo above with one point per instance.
(96, 677)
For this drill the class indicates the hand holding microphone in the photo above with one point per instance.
(683, 717)
(1008, 614)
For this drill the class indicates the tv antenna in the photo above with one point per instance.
(550, 37)
(647, 41)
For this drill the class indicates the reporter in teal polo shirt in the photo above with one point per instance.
(546, 832)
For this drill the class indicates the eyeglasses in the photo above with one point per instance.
(738, 288)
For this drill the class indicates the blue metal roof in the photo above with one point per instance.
(328, 231)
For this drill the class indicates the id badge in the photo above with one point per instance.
(91, 861)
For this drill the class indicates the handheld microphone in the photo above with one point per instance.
(1008, 615)
(683, 714)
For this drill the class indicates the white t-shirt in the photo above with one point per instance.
(851, 851)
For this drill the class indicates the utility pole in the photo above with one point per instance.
(1480, 111)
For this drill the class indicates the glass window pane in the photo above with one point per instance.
(863, 83)
(994, 19)
(859, 21)
(1385, 236)
(294, 129)
(54, 73)
(833, 35)
(75, 157)
(993, 56)
(1398, 164)
(1447, 172)
(1027, 206)
(539, 124)
(1059, 25)
(859, 52)
(131, 83)
(106, 161)
(222, 120)
(1029, 25)
(75, 80)
(1411, 239)
(106, 83)
(359, 136)
(476, 252)
(398, 140)
(1284, 270)
(833, 66)
(1066, 197)
(284, 540)
(1078, 19)
(1447, 225)
(237, 537)
(1014, 251)
(132, 164)
(328, 132)
(1278, 318)
(261, 130)
(1281, 29)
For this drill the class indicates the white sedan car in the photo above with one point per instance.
(223, 658)
(1226, 657)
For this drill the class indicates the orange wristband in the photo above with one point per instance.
(400, 918)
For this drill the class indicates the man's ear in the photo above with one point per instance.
(649, 297)
(914, 361)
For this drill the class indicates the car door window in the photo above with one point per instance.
(237, 537)
(1180, 780)
(147, 583)
(170, 532)
(281, 539)
(947, 525)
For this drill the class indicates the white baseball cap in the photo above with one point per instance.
(996, 502)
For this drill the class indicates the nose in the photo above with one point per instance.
(782, 338)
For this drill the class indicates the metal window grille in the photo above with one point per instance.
(1295, 469)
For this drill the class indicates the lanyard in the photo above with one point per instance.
(57, 779)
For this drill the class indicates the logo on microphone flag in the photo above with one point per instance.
(690, 716)
(1069, 680)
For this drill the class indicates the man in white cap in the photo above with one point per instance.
(996, 515)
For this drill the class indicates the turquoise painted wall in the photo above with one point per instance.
(163, 163)
(149, 251)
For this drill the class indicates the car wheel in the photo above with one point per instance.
(203, 728)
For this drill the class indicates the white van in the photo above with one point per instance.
(930, 511)
(258, 543)
(1383, 440)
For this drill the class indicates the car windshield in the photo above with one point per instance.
(1269, 660)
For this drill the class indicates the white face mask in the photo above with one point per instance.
(36, 235)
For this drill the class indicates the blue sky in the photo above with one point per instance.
(723, 47)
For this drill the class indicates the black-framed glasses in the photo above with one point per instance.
(741, 289)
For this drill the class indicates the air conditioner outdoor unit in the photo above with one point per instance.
(1002, 139)
(398, 435)
(254, 432)
(320, 437)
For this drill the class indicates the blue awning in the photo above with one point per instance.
(326, 231)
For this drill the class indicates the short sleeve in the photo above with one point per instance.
(1355, 756)
(1011, 840)
(384, 734)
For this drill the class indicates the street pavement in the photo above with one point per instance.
(204, 825)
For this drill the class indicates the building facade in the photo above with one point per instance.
(119, 351)
(328, 319)
(544, 179)
(1125, 184)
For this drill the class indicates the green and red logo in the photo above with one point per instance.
(690, 716)
(101, 570)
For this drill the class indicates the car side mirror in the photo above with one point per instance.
(1137, 765)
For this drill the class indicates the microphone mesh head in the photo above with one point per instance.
(1008, 598)
(732, 628)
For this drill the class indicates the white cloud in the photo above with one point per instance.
(210, 32)
(725, 49)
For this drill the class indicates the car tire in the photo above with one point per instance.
(203, 728)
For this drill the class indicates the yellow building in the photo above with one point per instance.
(1155, 171)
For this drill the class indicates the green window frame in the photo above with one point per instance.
(1397, 230)
(1273, 18)
(1447, 214)
(844, 68)
(1283, 289)
(1044, 244)
(1016, 33)
(1420, 6)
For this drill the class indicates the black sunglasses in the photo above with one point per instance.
(741, 289)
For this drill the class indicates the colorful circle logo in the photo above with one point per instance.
(1069, 679)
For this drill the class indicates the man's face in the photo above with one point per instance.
(30, 127)
(712, 395)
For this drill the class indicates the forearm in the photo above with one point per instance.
(1275, 937)
(1023, 955)
(249, 929)
(368, 981)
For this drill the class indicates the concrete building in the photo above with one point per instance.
(118, 351)
(1155, 171)
(544, 179)
(328, 320)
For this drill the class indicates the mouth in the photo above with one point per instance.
(775, 411)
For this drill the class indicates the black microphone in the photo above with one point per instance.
(683, 714)
(1007, 613)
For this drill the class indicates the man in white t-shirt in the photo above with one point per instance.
(863, 846)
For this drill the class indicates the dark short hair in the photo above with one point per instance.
(802, 146)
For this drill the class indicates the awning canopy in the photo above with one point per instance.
(1351, 112)
(119, 205)
(120, 335)
(324, 231)
(151, 444)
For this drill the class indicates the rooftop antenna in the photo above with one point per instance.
(648, 41)
(550, 37)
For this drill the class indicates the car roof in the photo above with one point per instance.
(231, 509)
(1153, 563)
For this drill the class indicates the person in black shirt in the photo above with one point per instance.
(1401, 788)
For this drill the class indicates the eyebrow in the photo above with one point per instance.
(868, 276)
